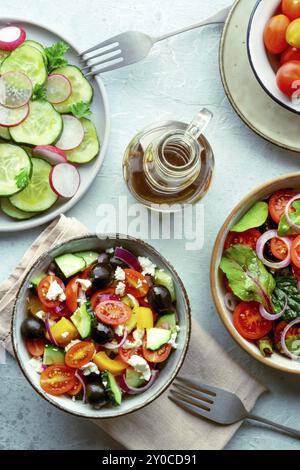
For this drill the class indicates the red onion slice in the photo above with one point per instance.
(283, 336)
(128, 258)
(119, 345)
(273, 316)
(135, 391)
(287, 215)
(260, 245)
(79, 377)
(230, 301)
(48, 328)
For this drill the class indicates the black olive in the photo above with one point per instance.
(104, 258)
(101, 275)
(93, 378)
(95, 394)
(102, 334)
(160, 299)
(33, 328)
(115, 262)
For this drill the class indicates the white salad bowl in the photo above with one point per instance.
(168, 372)
(276, 361)
(259, 58)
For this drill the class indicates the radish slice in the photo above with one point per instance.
(59, 88)
(15, 89)
(13, 117)
(64, 180)
(72, 135)
(11, 37)
(50, 153)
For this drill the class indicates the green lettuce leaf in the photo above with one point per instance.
(255, 217)
(283, 227)
(247, 276)
(286, 288)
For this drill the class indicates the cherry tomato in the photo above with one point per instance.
(113, 312)
(80, 354)
(288, 78)
(249, 238)
(249, 322)
(291, 8)
(279, 249)
(136, 284)
(35, 347)
(294, 331)
(86, 274)
(76, 389)
(95, 300)
(158, 356)
(295, 252)
(125, 354)
(43, 288)
(58, 379)
(275, 34)
(293, 33)
(291, 53)
(278, 202)
(60, 311)
(71, 292)
(296, 271)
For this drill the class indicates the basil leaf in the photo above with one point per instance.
(247, 275)
(255, 217)
(286, 288)
(283, 227)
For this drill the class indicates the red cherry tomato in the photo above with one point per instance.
(76, 389)
(71, 292)
(275, 34)
(126, 354)
(278, 203)
(43, 288)
(295, 252)
(95, 300)
(113, 312)
(249, 322)
(80, 354)
(296, 271)
(291, 53)
(249, 238)
(291, 8)
(58, 379)
(288, 78)
(35, 347)
(158, 356)
(136, 284)
(279, 249)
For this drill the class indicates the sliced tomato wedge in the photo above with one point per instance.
(43, 288)
(136, 284)
(279, 249)
(76, 389)
(296, 271)
(249, 322)
(294, 331)
(80, 354)
(35, 347)
(248, 238)
(113, 312)
(278, 203)
(71, 292)
(158, 356)
(295, 252)
(95, 299)
(58, 379)
(126, 354)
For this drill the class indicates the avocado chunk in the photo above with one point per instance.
(133, 378)
(70, 264)
(82, 319)
(53, 355)
(89, 257)
(167, 321)
(156, 337)
(162, 278)
(112, 389)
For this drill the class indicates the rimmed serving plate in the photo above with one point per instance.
(100, 117)
(254, 106)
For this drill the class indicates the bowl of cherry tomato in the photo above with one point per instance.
(273, 44)
(101, 327)
(255, 273)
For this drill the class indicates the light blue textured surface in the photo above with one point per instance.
(175, 81)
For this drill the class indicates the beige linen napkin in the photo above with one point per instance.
(161, 425)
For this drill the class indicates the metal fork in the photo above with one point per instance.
(216, 404)
(133, 46)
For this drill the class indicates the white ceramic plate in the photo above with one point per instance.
(254, 106)
(100, 117)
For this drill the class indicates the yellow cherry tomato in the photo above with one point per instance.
(293, 33)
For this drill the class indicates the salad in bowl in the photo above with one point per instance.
(100, 326)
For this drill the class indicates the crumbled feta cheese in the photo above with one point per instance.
(138, 335)
(41, 315)
(81, 297)
(84, 283)
(65, 334)
(120, 289)
(36, 364)
(110, 251)
(90, 368)
(141, 366)
(147, 266)
(72, 343)
(119, 330)
(56, 292)
(101, 327)
(173, 338)
(119, 274)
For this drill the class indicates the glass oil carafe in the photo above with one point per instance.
(170, 163)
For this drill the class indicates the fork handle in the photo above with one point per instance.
(219, 17)
(293, 432)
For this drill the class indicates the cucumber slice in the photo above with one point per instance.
(168, 319)
(53, 355)
(3, 56)
(89, 257)
(4, 133)
(15, 169)
(133, 378)
(81, 88)
(13, 212)
(38, 196)
(112, 388)
(29, 60)
(89, 147)
(70, 264)
(164, 279)
(37, 46)
(43, 126)
(37, 279)
(83, 321)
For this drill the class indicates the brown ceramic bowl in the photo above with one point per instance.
(276, 361)
(175, 361)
